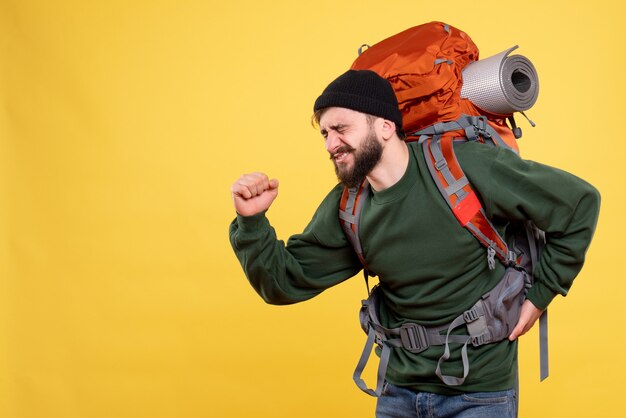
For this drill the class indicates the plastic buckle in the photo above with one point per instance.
(414, 337)
(481, 123)
(470, 315)
(481, 127)
(479, 340)
(440, 164)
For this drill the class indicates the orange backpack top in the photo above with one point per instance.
(424, 65)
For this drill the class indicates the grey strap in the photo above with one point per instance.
(438, 128)
(434, 147)
(347, 216)
(469, 126)
(536, 235)
(351, 219)
(382, 366)
(432, 169)
(376, 333)
(423, 138)
(473, 126)
(492, 245)
(455, 186)
(544, 367)
(517, 390)
(452, 380)
(440, 161)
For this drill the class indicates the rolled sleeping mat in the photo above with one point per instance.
(501, 84)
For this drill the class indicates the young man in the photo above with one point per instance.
(430, 268)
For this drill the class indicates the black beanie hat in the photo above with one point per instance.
(363, 91)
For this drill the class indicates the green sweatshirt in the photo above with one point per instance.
(430, 268)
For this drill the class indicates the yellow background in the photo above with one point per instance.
(123, 125)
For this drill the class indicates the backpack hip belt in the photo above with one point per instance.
(490, 319)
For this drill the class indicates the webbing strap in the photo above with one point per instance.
(517, 390)
(544, 367)
(457, 186)
(472, 126)
(376, 334)
(350, 207)
(440, 172)
(441, 165)
(544, 360)
(485, 232)
(382, 366)
(452, 380)
(438, 128)
(345, 216)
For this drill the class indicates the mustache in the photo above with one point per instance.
(341, 149)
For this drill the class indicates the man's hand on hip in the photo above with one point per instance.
(253, 193)
(527, 318)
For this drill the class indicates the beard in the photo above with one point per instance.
(365, 159)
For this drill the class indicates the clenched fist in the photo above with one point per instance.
(253, 193)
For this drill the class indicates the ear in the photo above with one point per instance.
(388, 129)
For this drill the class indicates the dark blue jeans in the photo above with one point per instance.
(398, 402)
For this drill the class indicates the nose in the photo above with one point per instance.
(333, 141)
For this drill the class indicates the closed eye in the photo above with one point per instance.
(339, 128)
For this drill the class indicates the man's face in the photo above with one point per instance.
(352, 143)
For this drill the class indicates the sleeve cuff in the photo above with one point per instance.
(540, 295)
(251, 223)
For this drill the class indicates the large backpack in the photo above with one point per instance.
(426, 66)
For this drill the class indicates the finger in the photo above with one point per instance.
(262, 181)
(256, 182)
(251, 183)
(241, 191)
(518, 330)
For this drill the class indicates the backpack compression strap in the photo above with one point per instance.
(473, 127)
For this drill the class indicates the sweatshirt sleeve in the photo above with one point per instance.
(310, 262)
(561, 204)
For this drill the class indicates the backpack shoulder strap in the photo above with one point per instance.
(350, 207)
(462, 199)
